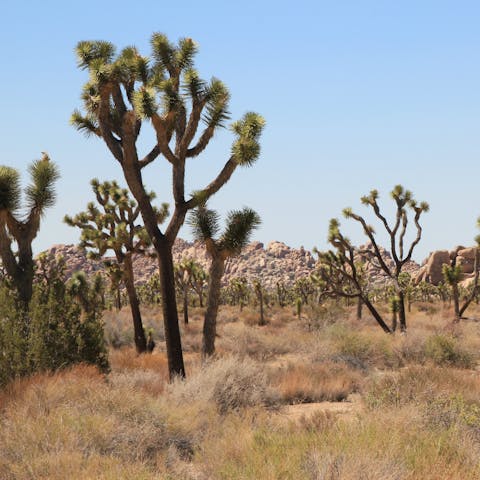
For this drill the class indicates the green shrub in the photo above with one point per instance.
(447, 411)
(56, 331)
(13, 345)
(445, 350)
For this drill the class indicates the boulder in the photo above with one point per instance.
(466, 259)
(433, 267)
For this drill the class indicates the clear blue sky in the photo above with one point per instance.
(357, 95)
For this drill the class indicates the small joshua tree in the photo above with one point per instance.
(183, 281)
(205, 224)
(199, 280)
(341, 274)
(22, 229)
(115, 227)
(397, 231)
(452, 275)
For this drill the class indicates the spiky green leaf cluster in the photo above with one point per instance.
(41, 191)
(9, 189)
(239, 228)
(246, 148)
(204, 223)
(91, 51)
(452, 274)
(217, 99)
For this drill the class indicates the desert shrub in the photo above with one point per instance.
(256, 342)
(58, 329)
(65, 324)
(411, 349)
(118, 326)
(360, 349)
(419, 385)
(13, 339)
(326, 381)
(318, 465)
(447, 411)
(230, 384)
(446, 350)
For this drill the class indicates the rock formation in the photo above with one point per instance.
(276, 263)
(431, 270)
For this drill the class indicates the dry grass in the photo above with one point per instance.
(327, 381)
(422, 418)
(231, 384)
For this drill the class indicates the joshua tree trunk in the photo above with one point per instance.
(376, 315)
(21, 271)
(456, 301)
(216, 271)
(118, 298)
(24, 281)
(359, 308)
(394, 320)
(185, 305)
(139, 333)
(163, 248)
(401, 311)
(170, 314)
(262, 317)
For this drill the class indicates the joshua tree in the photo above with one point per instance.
(452, 275)
(238, 291)
(199, 280)
(124, 91)
(400, 254)
(205, 224)
(22, 229)
(260, 293)
(183, 280)
(115, 227)
(341, 274)
(115, 274)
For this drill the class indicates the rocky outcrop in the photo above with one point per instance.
(374, 271)
(431, 270)
(277, 262)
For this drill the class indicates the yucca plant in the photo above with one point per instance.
(20, 225)
(127, 90)
(205, 224)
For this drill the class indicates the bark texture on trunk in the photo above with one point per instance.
(138, 331)
(401, 311)
(376, 315)
(185, 306)
(216, 271)
(173, 341)
(359, 308)
(163, 248)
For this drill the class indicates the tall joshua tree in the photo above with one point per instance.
(115, 227)
(401, 254)
(205, 225)
(128, 89)
(22, 229)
